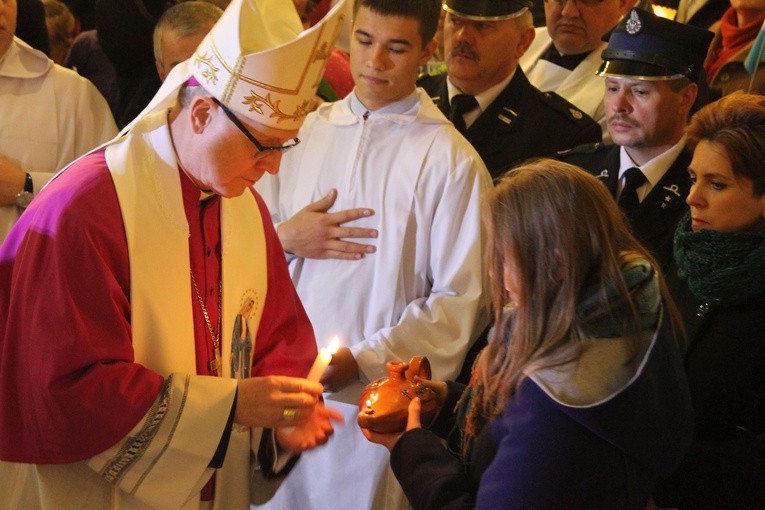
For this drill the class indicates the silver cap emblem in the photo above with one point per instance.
(633, 24)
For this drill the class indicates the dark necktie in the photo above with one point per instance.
(633, 179)
(461, 104)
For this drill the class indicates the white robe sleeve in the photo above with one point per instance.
(182, 428)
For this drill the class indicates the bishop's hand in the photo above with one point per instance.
(311, 432)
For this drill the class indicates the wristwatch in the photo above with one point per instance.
(25, 196)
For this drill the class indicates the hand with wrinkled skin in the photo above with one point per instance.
(11, 181)
(311, 432)
(261, 401)
(313, 233)
(342, 371)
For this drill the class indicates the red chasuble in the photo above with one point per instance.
(69, 385)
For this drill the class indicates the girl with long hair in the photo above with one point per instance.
(579, 400)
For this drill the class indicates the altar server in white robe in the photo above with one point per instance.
(382, 164)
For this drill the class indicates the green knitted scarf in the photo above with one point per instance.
(722, 268)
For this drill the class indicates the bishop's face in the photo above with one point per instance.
(222, 156)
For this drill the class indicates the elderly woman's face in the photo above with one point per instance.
(719, 199)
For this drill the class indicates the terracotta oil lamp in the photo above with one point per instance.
(384, 403)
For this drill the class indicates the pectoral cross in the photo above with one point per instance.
(215, 364)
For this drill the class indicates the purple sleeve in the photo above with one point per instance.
(69, 387)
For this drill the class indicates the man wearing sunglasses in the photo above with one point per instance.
(153, 343)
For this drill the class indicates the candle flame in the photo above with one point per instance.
(334, 345)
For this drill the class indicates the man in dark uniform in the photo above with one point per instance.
(487, 96)
(653, 70)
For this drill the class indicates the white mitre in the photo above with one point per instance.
(258, 61)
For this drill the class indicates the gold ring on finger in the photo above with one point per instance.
(289, 413)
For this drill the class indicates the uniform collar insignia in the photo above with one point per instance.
(505, 118)
(672, 188)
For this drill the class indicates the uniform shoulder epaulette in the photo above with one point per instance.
(566, 109)
(585, 148)
(430, 83)
(432, 71)
(429, 77)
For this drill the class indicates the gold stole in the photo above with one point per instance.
(143, 167)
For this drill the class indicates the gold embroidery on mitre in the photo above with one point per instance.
(236, 71)
(257, 102)
(322, 54)
(210, 74)
(324, 51)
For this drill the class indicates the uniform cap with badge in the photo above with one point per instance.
(647, 47)
(487, 10)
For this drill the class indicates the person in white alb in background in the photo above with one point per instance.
(49, 115)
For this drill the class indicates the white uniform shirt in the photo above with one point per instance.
(653, 170)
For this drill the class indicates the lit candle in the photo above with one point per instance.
(323, 359)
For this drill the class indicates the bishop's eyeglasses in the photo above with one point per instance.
(263, 150)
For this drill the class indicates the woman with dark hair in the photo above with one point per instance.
(579, 400)
(719, 285)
